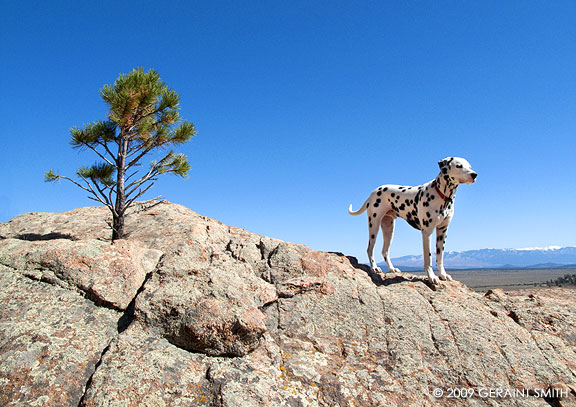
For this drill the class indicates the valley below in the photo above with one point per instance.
(507, 279)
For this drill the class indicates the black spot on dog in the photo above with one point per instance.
(418, 196)
(372, 236)
(428, 214)
(378, 200)
(374, 215)
(376, 205)
(413, 223)
(385, 189)
(437, 250)
(432, 197)
(392, 194)
(368, 204)
(402, 207)
(379, 193)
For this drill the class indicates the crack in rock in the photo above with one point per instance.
(81, 403)
(129, 314)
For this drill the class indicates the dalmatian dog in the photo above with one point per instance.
(426, 207)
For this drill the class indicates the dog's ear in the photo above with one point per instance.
(445, 162)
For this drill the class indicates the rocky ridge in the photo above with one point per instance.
(190, 312)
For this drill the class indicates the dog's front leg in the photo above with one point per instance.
(426, 252)
(440, 239)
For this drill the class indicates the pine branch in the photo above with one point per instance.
(184, 132)
(130, 176)
(155, 169)
(140, 193)
(138, 157)
(102, 194)
(101, 172)
(105, 145)
(88, 189)
(101, 155)
(98, 198)
(155, 200)
(138, 183)
(75, 183)
(112, 189)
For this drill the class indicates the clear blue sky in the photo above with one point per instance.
(303, 107)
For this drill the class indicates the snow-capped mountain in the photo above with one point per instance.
(546, 257)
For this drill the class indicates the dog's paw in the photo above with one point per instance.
(434, 280)
(446, 277)
(395, 270)
(376, 270)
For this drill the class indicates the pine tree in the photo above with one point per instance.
(143, 116)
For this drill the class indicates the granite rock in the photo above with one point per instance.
(50, 342)
(229, 318)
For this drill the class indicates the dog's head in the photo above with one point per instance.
(458, 169)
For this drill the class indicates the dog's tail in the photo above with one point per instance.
(359, 211)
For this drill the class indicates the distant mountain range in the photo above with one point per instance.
(536, 257)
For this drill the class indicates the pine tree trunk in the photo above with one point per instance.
(117, 227)
(120, 206)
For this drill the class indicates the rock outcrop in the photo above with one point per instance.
(190, 312)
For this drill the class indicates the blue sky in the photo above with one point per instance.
(304, 107)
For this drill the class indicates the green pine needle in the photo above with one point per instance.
(102, 172)
(50, 176)
(184, 132)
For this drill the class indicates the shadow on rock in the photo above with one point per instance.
(385, 279)
(33, 237)
(377, 278)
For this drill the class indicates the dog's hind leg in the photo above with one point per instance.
(373, 227)
(387, 225)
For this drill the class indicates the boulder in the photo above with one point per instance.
(110, 274)
(224, 317)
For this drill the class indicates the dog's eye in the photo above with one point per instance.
(458, 166)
